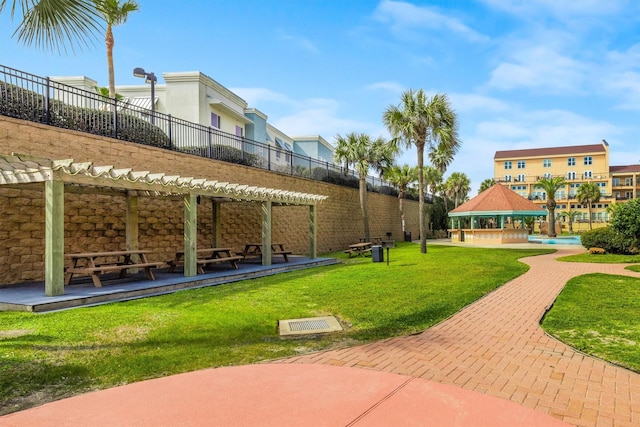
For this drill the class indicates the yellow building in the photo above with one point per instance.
(520, 170)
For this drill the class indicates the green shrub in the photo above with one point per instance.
(608, 239)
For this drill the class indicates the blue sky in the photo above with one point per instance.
(519, 73)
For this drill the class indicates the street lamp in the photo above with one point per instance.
(149, 78)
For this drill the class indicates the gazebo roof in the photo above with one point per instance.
(498, 200)
(21, 169)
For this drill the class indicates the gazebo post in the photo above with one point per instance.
(190, 234)
(215, 217)
(266, 232)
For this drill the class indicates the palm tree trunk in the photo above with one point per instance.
(363, 205)
(112, 80)
(590, 225)
(401, 196)
(423, 231)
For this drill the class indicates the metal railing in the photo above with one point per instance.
(42, 100)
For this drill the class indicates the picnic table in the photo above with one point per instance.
(206, 256)
(255, 250)
(96, 263)
(359, 249)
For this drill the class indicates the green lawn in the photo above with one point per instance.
(48, 356)
(599, 314)
(601, 258)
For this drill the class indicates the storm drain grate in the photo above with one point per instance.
(308, 325)
(314, 325)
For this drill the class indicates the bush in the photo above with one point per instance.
(608, 239)
(28, 105)
(626, 219)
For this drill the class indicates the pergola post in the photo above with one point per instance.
(190, 234)
(131, 227)
(215, 217)
(54, 238)
(266, 232)
(313, 232)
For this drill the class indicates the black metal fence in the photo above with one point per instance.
(39, 99)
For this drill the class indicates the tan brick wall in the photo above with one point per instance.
(95, 222)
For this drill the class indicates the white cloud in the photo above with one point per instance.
(541, 68)
(473, 102)
(300, 42)
(393, 87)
(405, 17)
(561, 10)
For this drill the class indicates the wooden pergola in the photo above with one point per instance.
(59, 176)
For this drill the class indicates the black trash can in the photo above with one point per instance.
(407, 236)
(377, 255)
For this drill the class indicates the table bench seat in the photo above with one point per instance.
(105, 268)
(233, 260)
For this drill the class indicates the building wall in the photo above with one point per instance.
(577, 168)
(95, 222)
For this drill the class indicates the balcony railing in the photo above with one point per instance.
(41, 100)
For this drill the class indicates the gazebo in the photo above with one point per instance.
(496, 216)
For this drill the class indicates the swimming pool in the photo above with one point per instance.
(559, 240)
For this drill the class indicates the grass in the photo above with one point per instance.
(49, 356)
(600, 315)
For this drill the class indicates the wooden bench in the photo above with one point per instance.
(254, 250)
(94, 268)
(233, 260)
(207, 256)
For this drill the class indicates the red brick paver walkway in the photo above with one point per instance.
(496, 346)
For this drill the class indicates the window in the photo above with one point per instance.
(588, 160)
(507, 178)
(546, 163)
(239, 131)
(561, 195)
(587, 175)
(616, 182)
(215, 120)
(628, 181)
(546, 175)
(571, 161)
(571, 175)
(507, 165)
(628, 194)
(521, 164)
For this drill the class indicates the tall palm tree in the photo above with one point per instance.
(550, 186)
(402, 177)
(588, 193)
(114, 13)
(426, 123)
(363, 153)
(486, 184)
(458, 186)
(55, 24)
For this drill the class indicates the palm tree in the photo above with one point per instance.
(402, 177)
(571, 216)
(458, 186)
(55, 24)
(550, 186)
(363, 153)
(441, 158)
(588, 193)
(486, 184)
(114, 13)
(432, 179)
(425, 123)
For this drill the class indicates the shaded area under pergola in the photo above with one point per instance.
(55, 177)
(492, 217)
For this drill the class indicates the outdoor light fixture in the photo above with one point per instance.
(152, 79)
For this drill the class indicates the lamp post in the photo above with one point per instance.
(149, 78)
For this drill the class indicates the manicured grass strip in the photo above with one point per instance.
(633, 268)
(601, 258)
(599, 314)
(48, 356)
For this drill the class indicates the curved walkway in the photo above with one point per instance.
(496, 346)
(488, 365)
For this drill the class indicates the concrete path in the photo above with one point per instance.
(496, 346)
(488, 365)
